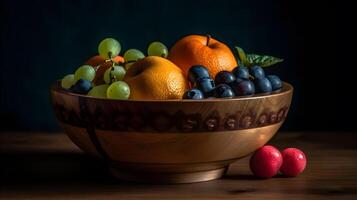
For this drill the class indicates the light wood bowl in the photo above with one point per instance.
(170, 141)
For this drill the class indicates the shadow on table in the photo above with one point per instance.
(41, 167)
(66, 173)
(58, 168)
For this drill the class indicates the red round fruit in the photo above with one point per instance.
(294, 162)
(266, 162)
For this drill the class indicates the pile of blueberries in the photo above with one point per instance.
(242, 81)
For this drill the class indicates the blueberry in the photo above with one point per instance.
(241, 72)
(223, 91)
(82, 86)
(262, 85)
(257, 72)
(243, 88)
(238, 80)
(193, 94)
(224, 77)
(197, 72)
(206, 85)
(275, 81)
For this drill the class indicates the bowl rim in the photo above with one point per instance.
(287, 88)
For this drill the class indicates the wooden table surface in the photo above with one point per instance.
(49, 166)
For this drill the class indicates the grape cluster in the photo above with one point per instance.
(154, 49)
(81, 82)
(242, 81)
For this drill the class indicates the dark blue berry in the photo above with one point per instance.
(241, 72)
(275, 81)
(243, 88)
(262, 85)
(257, 72)
(206, 85)
(193, 94)
(238, 80)
(223, 91)
(197, 72)
(224, 77)
(82, 86)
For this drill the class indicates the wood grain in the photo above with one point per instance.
(173, 141)
(171, 116)
(49, 166)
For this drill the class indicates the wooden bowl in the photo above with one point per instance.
(170, 141)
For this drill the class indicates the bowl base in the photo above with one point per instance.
(170, 178)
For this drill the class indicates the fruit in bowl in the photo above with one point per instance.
(154, 77)
(202, 50)
(101, 66)
(151, 123)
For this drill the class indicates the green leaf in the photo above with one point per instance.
(242, 56)
(263, 60)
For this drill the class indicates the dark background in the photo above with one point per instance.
(41, 41)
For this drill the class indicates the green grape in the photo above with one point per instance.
(109, 48)
(86, 72)
(68, 81)
(99, 91)
(133, 55)
(157, 49)
(117, 73)
(118, 90)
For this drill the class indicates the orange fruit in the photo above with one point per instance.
(155, 78)
(97, 60)
(202, 50)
